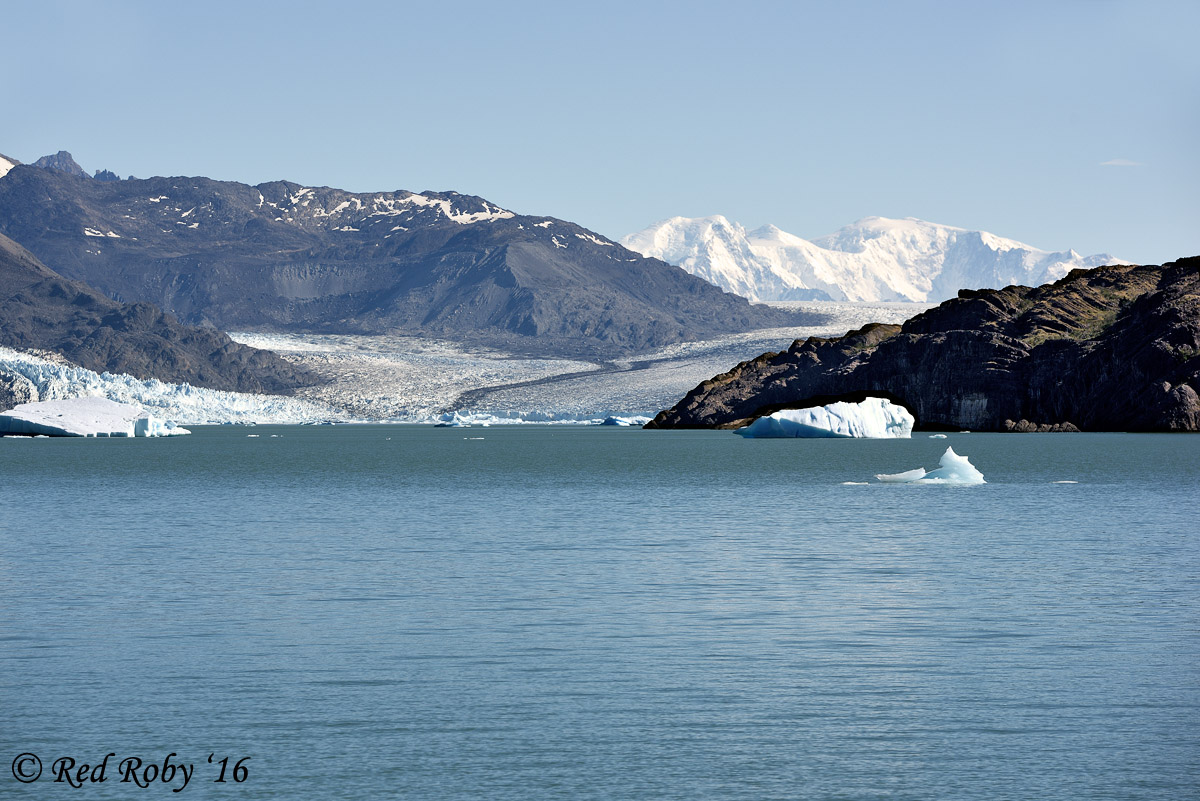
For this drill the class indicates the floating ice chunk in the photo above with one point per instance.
(855, 483)
(953, 469)
(937, 436)
(625, 422)
(85, 417)
(874, 418)
(1064, 482)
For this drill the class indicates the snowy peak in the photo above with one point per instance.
(873, 259)
(6, 164)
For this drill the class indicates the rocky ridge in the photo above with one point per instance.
(1115, 348)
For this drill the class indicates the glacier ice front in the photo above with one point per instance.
(84, 417)
(952, 469)
(874, 418)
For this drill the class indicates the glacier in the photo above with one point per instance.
(84, 417)
(187, 405)
(418, 380)
(874, 259)
(872, 418)
(952, 469)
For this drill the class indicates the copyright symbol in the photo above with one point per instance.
(27, 768)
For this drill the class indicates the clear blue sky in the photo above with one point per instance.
(1062, 124)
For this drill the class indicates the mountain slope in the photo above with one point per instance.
(1111, 349)
(39, 309)
(282, 257)
(875, 259)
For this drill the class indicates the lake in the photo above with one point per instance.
(554, 612)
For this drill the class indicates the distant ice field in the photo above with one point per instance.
(414, 379)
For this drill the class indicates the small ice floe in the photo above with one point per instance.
(253, 436)
(85, 417)
(635, 421)
(855, 483)
(874, 418)
(937, 436)
(1064, 482)
(953, 469)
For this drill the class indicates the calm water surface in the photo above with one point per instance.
(543, 613)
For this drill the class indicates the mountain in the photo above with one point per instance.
(284, 257)
(63, 162)
(41, 310)
(875, 259)
(1110, 349)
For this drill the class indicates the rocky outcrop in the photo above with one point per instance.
(42, 311)
(1116, 348)
(63, 162)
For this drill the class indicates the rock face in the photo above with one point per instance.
(63, 162)
(39, 309)
(283, 257)
(1111, 349)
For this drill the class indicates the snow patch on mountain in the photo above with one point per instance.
(6, 164)
(875, 259)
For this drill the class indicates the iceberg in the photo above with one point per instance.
(873, 418)
(84, 417)
(953, 469)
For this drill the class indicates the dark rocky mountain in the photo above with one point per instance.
(40, 309)
(63, 162)
(282, 257)
(1111, 349)
(106, 175)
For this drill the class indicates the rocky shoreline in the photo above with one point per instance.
(1115, 348)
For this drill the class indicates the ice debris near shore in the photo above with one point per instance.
(872, 418)
(84, 417)
(180, 402)
(953, 469)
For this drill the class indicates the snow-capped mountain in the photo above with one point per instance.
(284, 257)
(6, 164)
(874, 259)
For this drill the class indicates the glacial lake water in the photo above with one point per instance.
(372, 612)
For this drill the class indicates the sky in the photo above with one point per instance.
(1060, 124)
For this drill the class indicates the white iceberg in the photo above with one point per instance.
(954, 469)
(873, 418)
(84, 417)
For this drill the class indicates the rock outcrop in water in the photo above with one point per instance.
(1111, 349)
